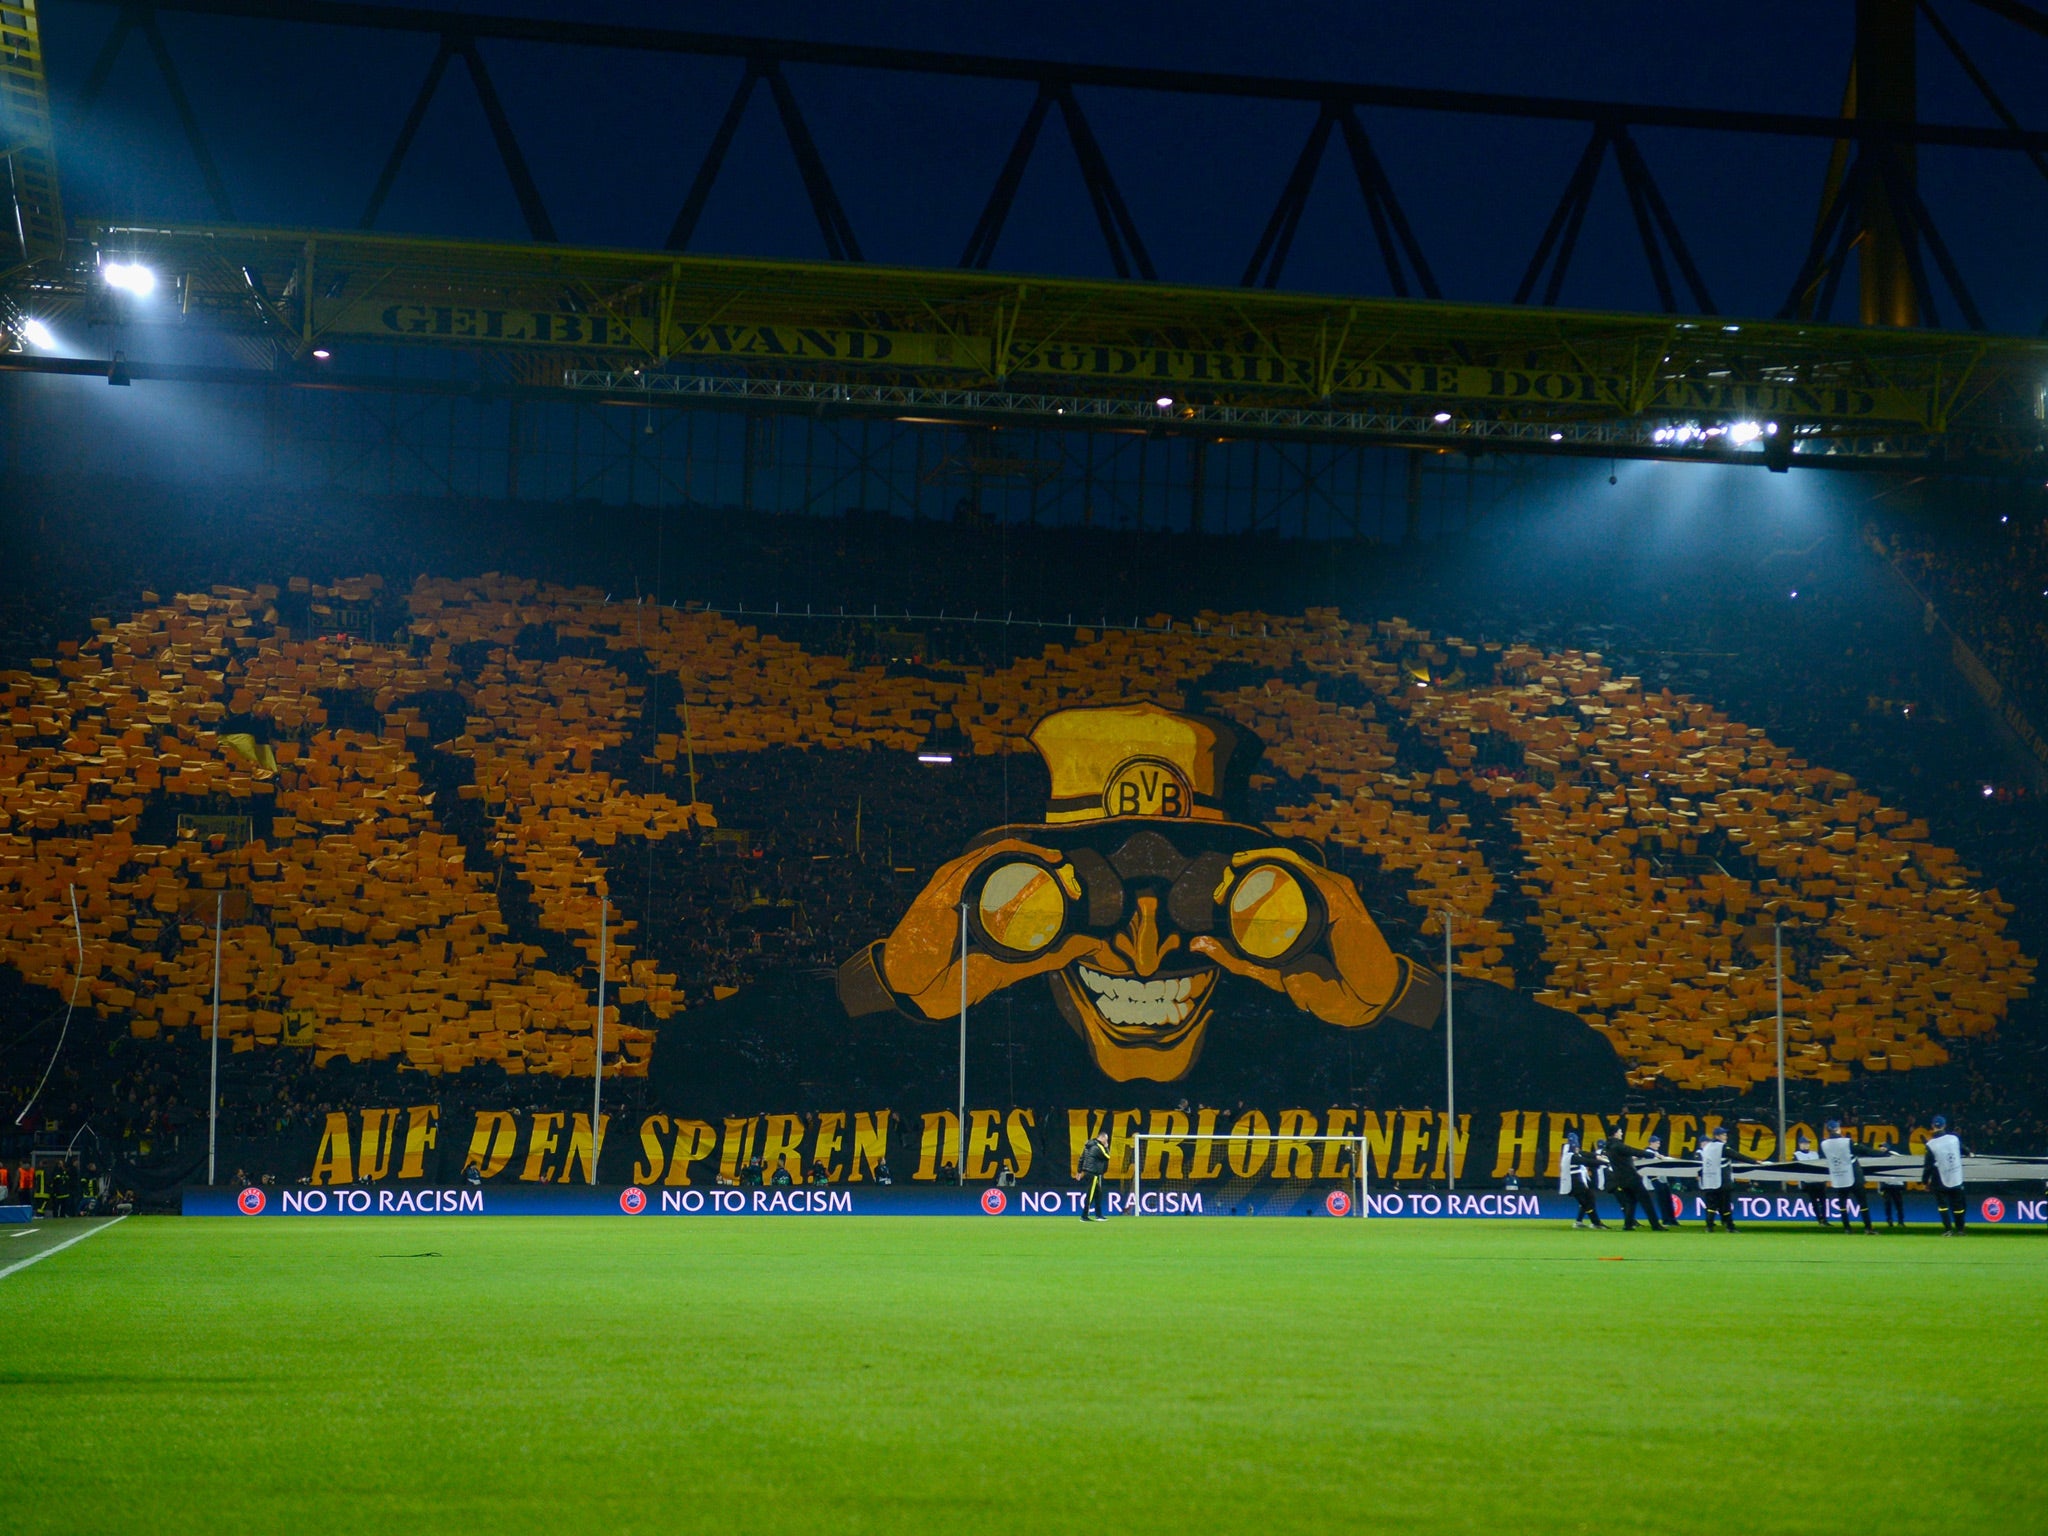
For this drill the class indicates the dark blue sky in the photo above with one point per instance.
(301, 119)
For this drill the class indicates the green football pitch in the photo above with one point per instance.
(918, 1374)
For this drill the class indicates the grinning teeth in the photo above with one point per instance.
(1128, 1000)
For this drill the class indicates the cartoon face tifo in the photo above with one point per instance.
(1134, 923)
(1130, 905)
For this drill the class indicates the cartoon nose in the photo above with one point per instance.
(1141, 943)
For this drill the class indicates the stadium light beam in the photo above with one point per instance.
(130, 277)
(37, 334)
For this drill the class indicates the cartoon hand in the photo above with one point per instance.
(1359, 979)
(920, 960)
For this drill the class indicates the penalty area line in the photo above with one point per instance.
(37, 1258)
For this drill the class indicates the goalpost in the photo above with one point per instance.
(1354, 1184)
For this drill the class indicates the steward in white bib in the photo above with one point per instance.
(1943, 1175)
(1945, 1152)
(1717, 1179)
(1845, 1175)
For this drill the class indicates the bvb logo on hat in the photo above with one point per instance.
(1135, 898)
(1145, 786)
(1135, 760)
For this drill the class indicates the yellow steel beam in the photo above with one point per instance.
(824, 321)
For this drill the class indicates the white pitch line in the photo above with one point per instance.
(37, 1258)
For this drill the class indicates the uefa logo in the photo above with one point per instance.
(994, 1201)
(1994, 1210)
(250, 1202)
(1337, 1203)
(633, 1201)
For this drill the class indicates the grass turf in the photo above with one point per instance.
(906, 1374)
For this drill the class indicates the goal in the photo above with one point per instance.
(1249, 1173)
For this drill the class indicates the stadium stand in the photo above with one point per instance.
(404, 798)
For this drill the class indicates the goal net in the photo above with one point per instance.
(1248, 1174)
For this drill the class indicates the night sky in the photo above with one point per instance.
(302, 117)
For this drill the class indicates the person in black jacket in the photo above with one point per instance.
(1662, 1198)
(1892, 1186)
(1094, 1172)
(1628, 1184)
(1575, 1175)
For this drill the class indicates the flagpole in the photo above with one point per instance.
(1450, 1061)
(960, 1163)
(604, 912)
(213, 1076)
(1778, 959)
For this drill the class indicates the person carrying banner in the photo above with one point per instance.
(1893, 1187)
(1658, 1193)
(1717, 1179)
(1094, 1171)
(1575, 1175)
(1943, 1176)
(1815, 1190)
(1628, 1183)
(1845, 1174)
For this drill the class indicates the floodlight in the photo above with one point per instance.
(130, 277)
(940, 758)
(1557, 437)
(1164, 402)
(37, 334)
(1745, 432)
(1441, 417)
(322, 354)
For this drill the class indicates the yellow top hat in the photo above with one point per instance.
(1133, 760)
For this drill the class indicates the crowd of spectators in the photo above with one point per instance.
(806, 855)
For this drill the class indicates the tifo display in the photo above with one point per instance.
(368, 819)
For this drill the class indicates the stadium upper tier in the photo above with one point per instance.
(408, 836)
(662, 328)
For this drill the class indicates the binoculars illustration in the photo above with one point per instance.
(1261, 908)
